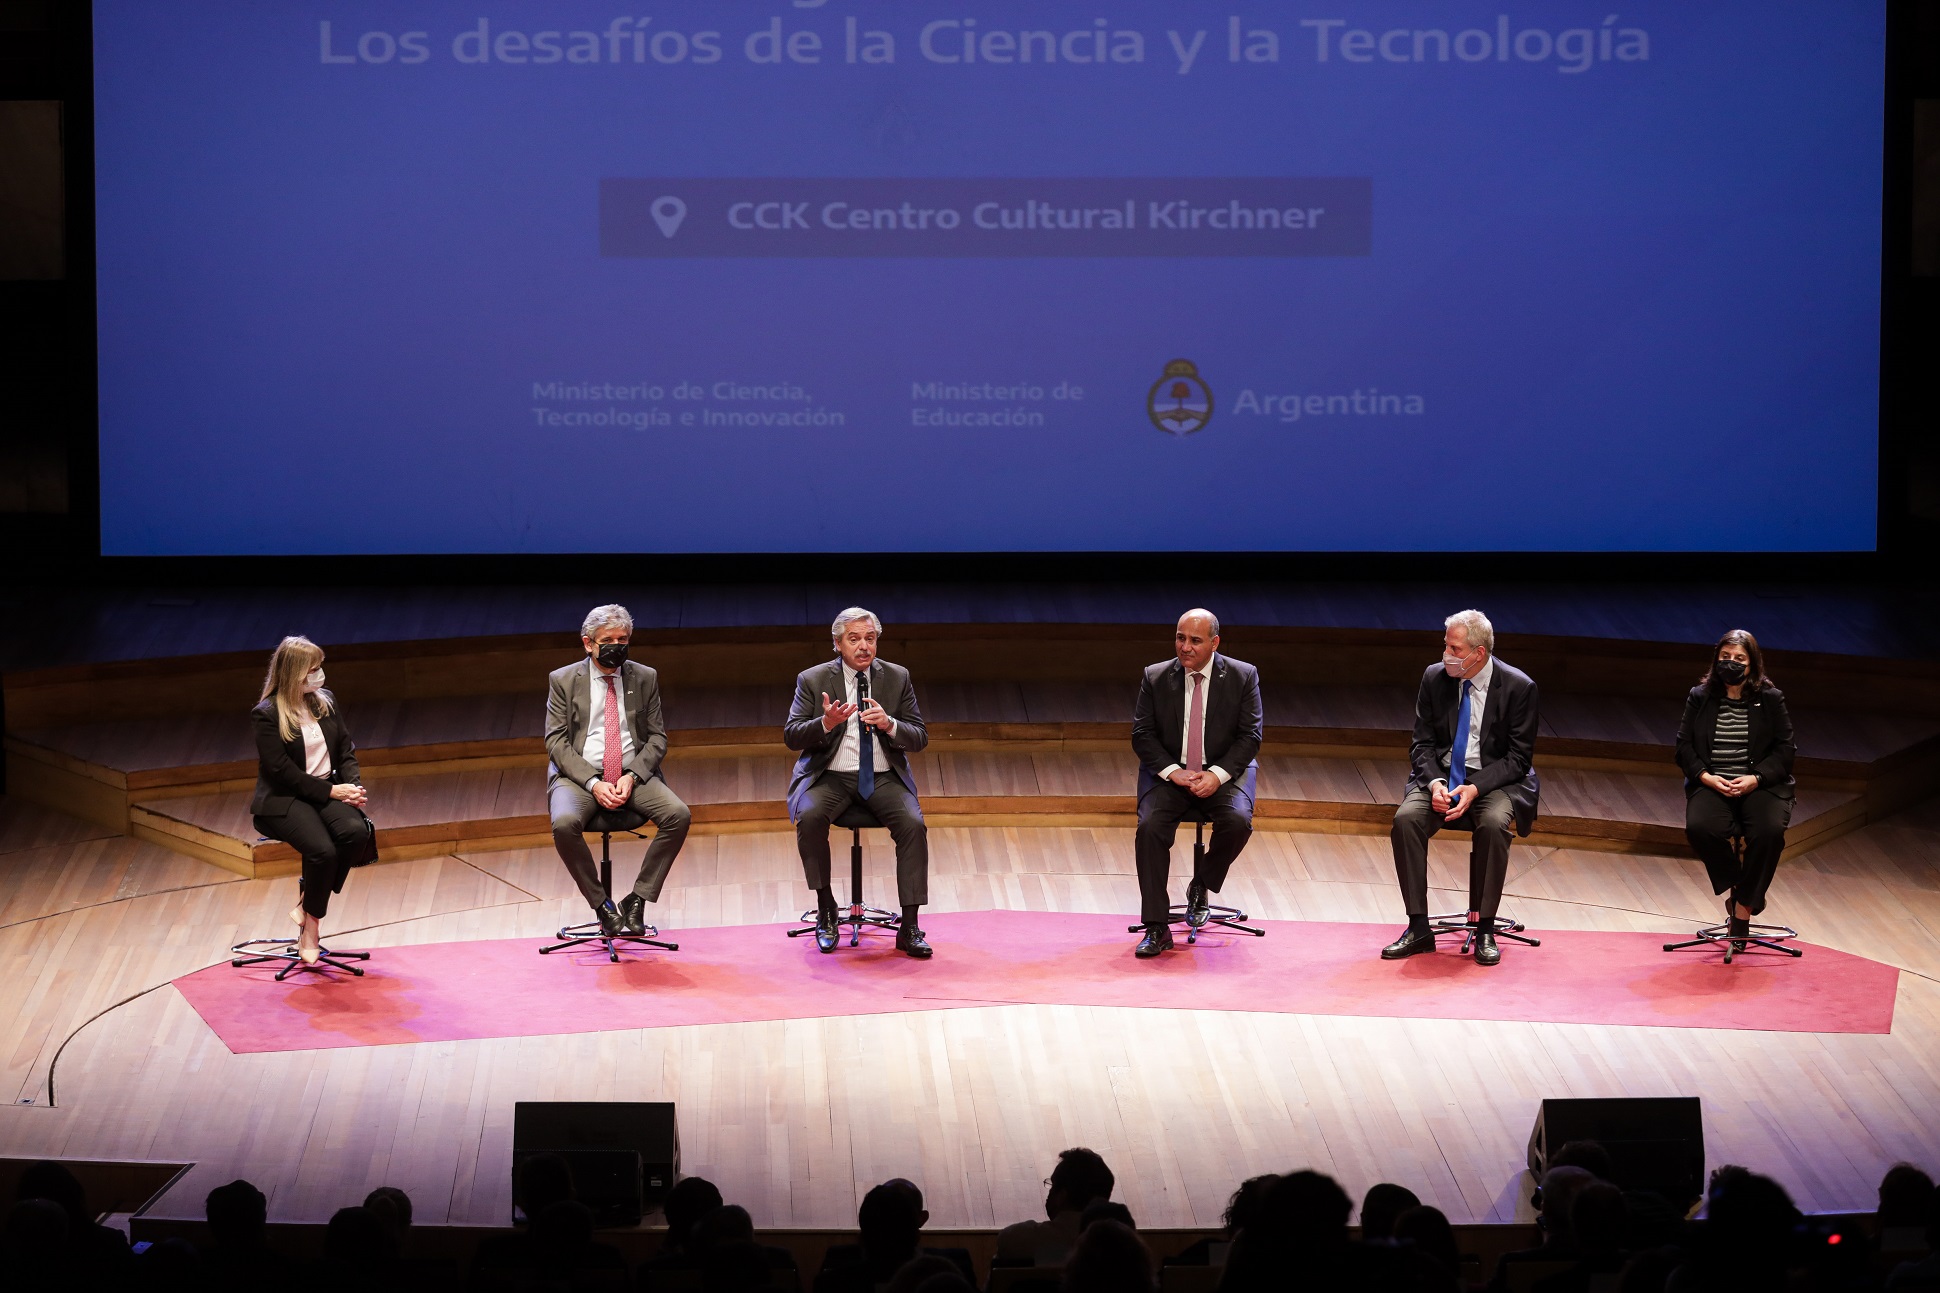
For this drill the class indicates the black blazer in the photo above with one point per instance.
(1235, 720)
(280, 778)
(1769, 742)
(889, 686)
(1508, 736)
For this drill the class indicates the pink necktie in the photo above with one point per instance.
(1196, 726)
(610, 763)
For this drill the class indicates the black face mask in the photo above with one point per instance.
(1730, 672)
(612, 654)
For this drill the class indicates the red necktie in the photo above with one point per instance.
(1196, 726)
(610, 763)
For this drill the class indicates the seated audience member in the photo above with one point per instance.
(1380, 1206)
(93, 1249)
(1302, 1228)
(239, 1251)
(562, 1241)
(919, 1271)
(692, 1198)
(1589, 1155)
(1598, 1223)
(35, 1246)
(1906, 1202)
(891, 1219)
(1105, 1210)
(727, 1228)
(1424, 1233)
(542, 1180)
(1560, 1187)
(1649, 1271)
(170, 1266)
(1241, 1209)
(1655, 1221)
(1109, 1257)
(1746, 1239)
(358, 1252)
(946, 1282)
(392, 1208)
(1921, 1275)
(1080, 1177)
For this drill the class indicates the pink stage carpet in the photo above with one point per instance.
(455, 991)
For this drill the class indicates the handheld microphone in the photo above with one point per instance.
(862, 690)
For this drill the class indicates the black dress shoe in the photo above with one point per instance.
(1486, 952)
(611, 922)
(1157, 938)
(1411, 943)
(827, 934)
(910, 941)
(1198, 906)
(1738, 928)
(633, 914)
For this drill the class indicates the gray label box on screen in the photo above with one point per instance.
(987, 217)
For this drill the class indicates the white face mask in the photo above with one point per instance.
(313, 681)
(1455, 666)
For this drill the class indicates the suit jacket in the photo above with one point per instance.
(1235, 721)
(1769, 738)
(280, 776)
(570, 715)
(889, 686)
(1508, 736)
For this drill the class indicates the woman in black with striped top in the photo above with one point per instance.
(1735, 746)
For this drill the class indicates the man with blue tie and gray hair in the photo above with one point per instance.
(855, 723)
(1473, 755)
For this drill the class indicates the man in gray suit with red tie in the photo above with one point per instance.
(605, 737)
(1473, 757)
(1197, 728)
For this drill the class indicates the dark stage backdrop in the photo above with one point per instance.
(862, 275)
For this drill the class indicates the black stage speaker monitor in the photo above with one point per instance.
(1655, 1143)
(624, 1155)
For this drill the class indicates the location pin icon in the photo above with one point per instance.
(668, 212)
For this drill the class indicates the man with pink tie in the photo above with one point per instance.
(1196, 730)
(606, 739)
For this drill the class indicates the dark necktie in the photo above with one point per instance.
(1458, 757)
(865, 755)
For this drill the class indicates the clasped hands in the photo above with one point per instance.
(1730, 787)
(1202, 784)
(614, 794)
(836, 713)
(350, 793)
(1451, 806)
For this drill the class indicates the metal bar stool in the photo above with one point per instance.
(1468, 924)
(610, 822)
(1218, 916)
(855, 818)
(261, 951)
(1771, 938)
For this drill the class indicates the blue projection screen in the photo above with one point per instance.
(910, 276)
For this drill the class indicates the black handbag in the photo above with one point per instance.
(364, 852)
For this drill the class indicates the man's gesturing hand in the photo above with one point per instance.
(834, 713)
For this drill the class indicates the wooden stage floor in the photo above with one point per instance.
(102, 1059)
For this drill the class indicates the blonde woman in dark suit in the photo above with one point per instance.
(308, 792)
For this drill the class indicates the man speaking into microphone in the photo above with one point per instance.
(855, 722)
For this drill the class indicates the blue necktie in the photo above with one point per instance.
(1458, 757)
(865, 759)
